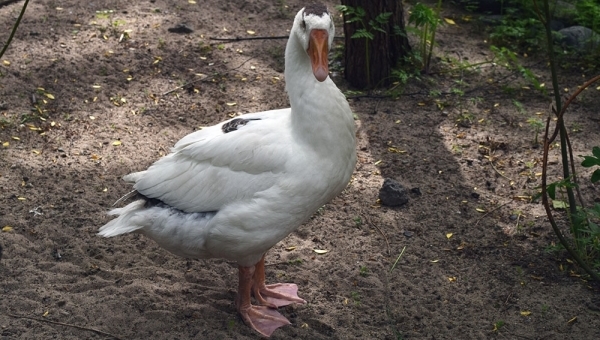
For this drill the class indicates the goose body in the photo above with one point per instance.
(235, 189)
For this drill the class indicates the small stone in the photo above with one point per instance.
(512, 217)
(408, 233)
(475, 195)
(416, 191)
(392, 193)
(181, 29)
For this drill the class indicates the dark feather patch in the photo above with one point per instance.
(235, 124)
(316, 9)
(155, 202)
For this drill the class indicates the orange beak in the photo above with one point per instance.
(317, 50)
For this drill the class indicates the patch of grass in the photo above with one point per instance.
(498, 325)
(519, 106)
(355, 296)
(544, 309)
(457, 149)
(363, 271)
(536, 125)
(295, 262)
(457, 91)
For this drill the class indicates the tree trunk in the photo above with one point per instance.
(383, 52)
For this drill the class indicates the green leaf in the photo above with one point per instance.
(362, 33)
(353, 19)
(360, 12)
(559, 204)
(589, 161)
(596, 176)
(596, 151)
(551, 189)
(380, 30)
(383, 18)
(341, 8)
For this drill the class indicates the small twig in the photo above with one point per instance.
(398, 259)
(183, 86)
(380, 231)
(249, 38)
(12, 33)
(384, 237)
(491, 211)
(64, 324)
(204, 78)
(499, 173)
(256, 38)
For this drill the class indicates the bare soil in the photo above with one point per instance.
(88, 96)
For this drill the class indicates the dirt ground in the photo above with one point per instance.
(91, 91)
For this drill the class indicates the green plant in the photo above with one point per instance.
(588, 14)
(296, 262)
(536, 125)
(457, 91)
(498, 325)
(509, 60)
(355, 296)
(584, 244)
(465, 119)
(426, 21)
(363, 271)
(367, 30)
(457, 149)
(545, 308)
(594, 160)
(519, 106)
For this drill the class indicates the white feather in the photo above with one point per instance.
(236, 194)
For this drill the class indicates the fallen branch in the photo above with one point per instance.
(276, 37)
(380, 231)
(248, 38)
(491, 211)
(203, 78)
(14, 29)
(64, 324)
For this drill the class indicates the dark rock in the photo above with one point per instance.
(578, 37)
(181, 29)
(408, 233)
(475, 195)
(416, 191)
(392, 193)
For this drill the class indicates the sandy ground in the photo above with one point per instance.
(90, 92)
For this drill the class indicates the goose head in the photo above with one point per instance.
(313, 31)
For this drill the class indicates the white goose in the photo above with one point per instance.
(235, 189)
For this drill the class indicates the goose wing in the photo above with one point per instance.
(224, 163)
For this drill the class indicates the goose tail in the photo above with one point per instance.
(127, 222)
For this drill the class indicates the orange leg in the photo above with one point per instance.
(263, 319)
(275, 295)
